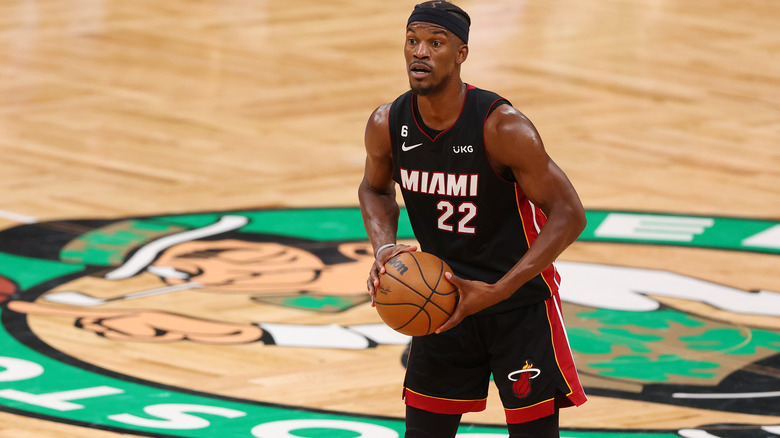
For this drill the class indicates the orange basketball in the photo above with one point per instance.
(413, 297)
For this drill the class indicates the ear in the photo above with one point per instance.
(463, 53)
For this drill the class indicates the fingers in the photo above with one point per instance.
(398, 249)
(459, 313)
(372, 290)
(372, 284)
(454, 279)
(385, 255)
(455, 319)
(378, 267)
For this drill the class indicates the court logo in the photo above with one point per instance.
(236, 295)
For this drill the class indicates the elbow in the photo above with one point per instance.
(580, 221)
(369, 195)
(573, 215)
(362, 189)
(366, 189)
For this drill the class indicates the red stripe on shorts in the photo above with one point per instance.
(563, 355)
(530, 413)
(443, 405)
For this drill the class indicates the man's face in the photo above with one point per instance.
(432, 55)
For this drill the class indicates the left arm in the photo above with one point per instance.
(514, 144)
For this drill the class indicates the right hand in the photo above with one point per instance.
(378, 267)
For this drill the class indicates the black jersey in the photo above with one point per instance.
(460, 209)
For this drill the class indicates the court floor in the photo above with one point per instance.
(181, 253)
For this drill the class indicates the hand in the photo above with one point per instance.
(473, 296)
(378, 268)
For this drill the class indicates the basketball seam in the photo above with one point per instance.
(420, 308)
(428, 299)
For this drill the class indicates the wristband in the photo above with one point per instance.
(385, 246)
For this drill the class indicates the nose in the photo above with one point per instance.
(420, 51)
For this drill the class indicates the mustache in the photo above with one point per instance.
(419, 64)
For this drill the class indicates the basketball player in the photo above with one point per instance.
(482, 194)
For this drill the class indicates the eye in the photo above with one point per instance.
(436, 44)
(412, 41)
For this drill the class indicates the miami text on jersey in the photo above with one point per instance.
(440, 183)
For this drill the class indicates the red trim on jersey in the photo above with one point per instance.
(520, 199)
(413, 101)
(563, 355)
(532, 217)
(530, 413)
(443, 405)
(533, 221)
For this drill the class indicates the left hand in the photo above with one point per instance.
(378, 268)
(473, 296)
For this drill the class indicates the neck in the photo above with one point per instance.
(440, 110)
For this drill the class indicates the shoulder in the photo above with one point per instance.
(377, 135)
(511, 140)
(380, 116)
(508, 122)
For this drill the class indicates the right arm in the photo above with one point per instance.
(376, 193)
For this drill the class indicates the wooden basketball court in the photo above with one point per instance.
(112, 110)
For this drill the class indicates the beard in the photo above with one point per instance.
(427, 88)
(421, 89)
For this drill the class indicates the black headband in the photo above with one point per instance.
(443, 19)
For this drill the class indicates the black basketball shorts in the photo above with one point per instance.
(525, 350)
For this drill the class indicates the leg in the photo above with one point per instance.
(424, 424)
(545, 427)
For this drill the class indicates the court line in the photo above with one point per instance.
(18, 217)
(727, 395)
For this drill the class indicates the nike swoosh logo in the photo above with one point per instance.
(405, 148)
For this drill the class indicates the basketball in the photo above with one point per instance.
(413, 297)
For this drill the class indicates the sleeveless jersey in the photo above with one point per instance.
(460, 209)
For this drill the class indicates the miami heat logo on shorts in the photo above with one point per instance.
(522, 379)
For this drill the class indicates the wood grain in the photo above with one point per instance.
(111, 109)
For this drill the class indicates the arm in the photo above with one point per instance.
(514, 145)
(377, 195)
